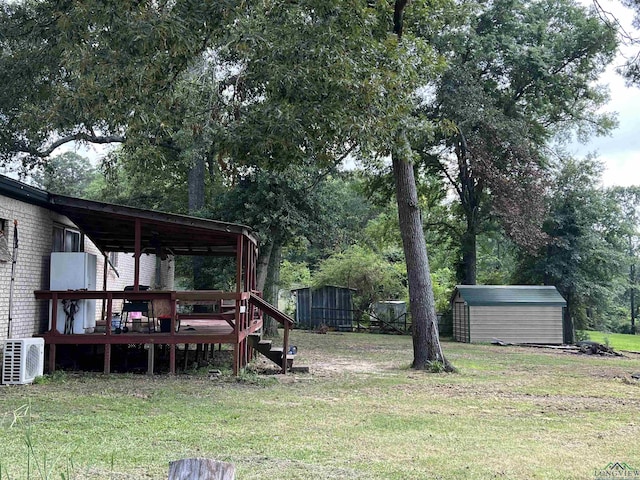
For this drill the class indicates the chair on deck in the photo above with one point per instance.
(137, 309)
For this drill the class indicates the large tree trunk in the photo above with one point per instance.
(470, 193)
(263, 266)
(469, 257)
(632, 289)
(426, 342)
(568, 328)
(272, 288)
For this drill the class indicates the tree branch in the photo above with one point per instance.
(76, 137)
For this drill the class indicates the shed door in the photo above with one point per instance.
(461, 322)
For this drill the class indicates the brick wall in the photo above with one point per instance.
(35, 227)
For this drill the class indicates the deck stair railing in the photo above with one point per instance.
(275, 354)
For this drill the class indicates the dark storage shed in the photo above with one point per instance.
(328, 305)
(512, 313)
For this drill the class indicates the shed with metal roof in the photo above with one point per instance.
(511, 313)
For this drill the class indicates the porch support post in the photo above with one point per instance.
(107, 331)
(107, 325)
(236, 359)
(54, 321)
(150, 358)
(54, 313)
(104, 286)
(239, 264)
(172, 359)
(285, 349)
(138, 252)
(240, 327)
(52, 357)
(107, 359)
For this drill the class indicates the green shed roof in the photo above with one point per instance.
(485, 295)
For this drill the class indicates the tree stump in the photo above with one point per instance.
(201, 469)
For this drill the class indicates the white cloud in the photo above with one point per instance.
(620, 152)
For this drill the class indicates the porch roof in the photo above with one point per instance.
(113, 229)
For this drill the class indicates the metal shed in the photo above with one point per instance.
(329, 305)
(513, 313)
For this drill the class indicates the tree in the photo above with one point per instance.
(340, 85)
(627, 201)
(369, 273)
(519, 74)
(93, 71)
(312, 82)
(583, 257)
(66, 174)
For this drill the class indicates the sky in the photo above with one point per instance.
(619, 152)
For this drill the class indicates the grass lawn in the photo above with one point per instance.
(617, 341)
(510, 413)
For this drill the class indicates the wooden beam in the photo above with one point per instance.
(172, 359)
(138, 252)
(150, 358)
(107, 359)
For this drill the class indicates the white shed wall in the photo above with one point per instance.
(516, 324)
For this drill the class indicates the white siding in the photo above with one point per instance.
(517, 324)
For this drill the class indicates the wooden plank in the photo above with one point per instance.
(150, 358)
(270, 310)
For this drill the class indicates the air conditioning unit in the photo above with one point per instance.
(23, 360)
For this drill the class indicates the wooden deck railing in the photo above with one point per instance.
(237, 312)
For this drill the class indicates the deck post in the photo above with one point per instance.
(172, 358)
(107, 358)
(107, 324)
(186, 355)
(52, 346)
(107, 331)
(236, 360)
(285, 349)
(52, 358)
(138, 252)
(150, 358)
(54, 312)
(174, 313)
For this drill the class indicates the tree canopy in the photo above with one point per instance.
(519, 74)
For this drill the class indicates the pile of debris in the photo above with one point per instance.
(586, 347)
(595, 348)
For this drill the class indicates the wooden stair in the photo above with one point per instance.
(265, 347)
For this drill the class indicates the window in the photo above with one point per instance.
(113, 259)
(66, 240)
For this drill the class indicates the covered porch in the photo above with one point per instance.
(232, 317)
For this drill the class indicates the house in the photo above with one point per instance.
(41, 231)
(514, 314)
(48, 222)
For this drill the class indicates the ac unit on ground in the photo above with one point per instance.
(23, 360)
